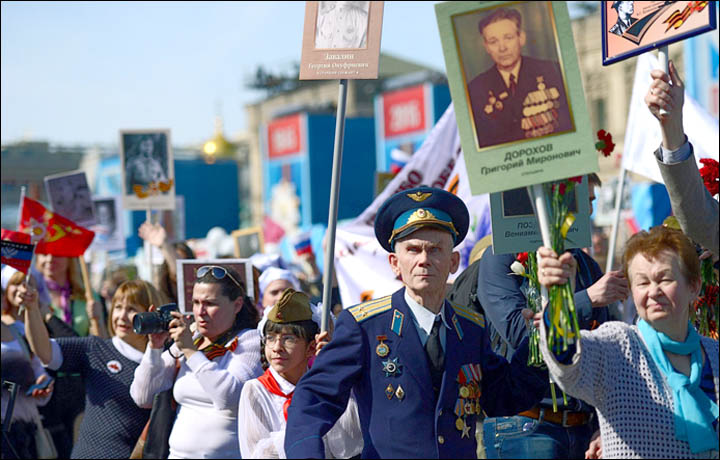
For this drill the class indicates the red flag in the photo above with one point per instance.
(53, 233)
(16, 250)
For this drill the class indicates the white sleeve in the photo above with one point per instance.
(590, 372)
(344, 440)
(155, 373)
(255, 430)
(57, 357)
(224, 384)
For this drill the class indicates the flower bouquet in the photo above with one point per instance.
(706, 311)
(526, 266)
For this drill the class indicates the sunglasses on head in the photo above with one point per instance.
(217, 272)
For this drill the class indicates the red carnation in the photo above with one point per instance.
(576, 179)
(604, 144)
(710, 175)
(522, 257)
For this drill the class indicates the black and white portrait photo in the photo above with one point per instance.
(341, 25)
(248, 241)
(148, 173)
(108, 228)
(69, 195)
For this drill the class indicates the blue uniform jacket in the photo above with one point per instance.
(409, 425)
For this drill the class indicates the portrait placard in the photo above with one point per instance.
(148, 169)
(248, 241)
(516, 87)
(632, 28)
(515, 227)
(109, 224)
(187, 275)
(341, 40)
(69, 195)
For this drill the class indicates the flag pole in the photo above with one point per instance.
(334, 198)
(619, 191)
(32, 251)
(663, 58)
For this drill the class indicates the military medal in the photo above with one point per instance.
(389, 391)
(464, 392)
(459, 424)
(391, 367)
(382, 350)
(400, 393)
(465, 431)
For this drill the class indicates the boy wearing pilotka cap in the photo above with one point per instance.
(290, 339)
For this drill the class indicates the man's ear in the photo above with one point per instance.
(454, 261)
(393, 260)
(523, 38)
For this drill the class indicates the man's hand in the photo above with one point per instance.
(612, 287)
(595, 448)
(153, 233)
(668, 93)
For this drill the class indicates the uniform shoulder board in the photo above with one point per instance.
(469, 314)
(369, 309)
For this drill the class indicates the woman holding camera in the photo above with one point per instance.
(214, 363)
(112, 421)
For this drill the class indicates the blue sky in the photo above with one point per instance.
(76, 73)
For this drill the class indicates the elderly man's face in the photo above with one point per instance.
(503, 42)
(424, 259)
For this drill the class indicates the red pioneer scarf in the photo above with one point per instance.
(271, 385)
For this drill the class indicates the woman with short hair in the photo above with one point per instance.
(655, 384)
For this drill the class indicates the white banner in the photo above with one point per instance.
(361, 264)
(643, 137)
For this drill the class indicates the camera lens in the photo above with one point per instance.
(149, 323)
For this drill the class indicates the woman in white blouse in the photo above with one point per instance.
(290, 338)
(214, 363)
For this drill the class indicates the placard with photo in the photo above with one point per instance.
(186, 276)
(69, 195)
(110, 224)
(632, 28)
(341, 40)
(517, 92)
(148, 169)
(248, 241)
(515, 226)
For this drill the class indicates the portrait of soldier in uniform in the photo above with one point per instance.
(341, 25)
(625, 19)
(519, 96)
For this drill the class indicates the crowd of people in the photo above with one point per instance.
(409, 375)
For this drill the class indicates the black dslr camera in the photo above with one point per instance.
(155, 322)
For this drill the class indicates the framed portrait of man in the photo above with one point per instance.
(109, 224)
(148, 169)
(515, 226)
(341, 39)
(69, 195)
(187, 275)
(632, 28)
(517, 92)
(248, 241)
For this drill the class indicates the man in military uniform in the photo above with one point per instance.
(519, 97)
(420, 368)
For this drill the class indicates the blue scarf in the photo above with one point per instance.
(694, 411)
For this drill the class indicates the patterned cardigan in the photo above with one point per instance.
(613, 371)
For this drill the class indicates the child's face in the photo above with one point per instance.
(287, 353)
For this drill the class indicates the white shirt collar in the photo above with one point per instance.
(285, 386)
(515, 71)
(424, 317)
(127, 350)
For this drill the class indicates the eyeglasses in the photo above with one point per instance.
(286, 340)
(217, 272)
